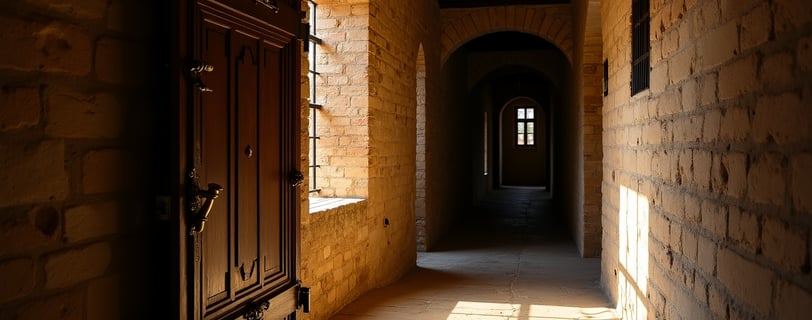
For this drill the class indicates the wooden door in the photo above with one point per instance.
(244, 119)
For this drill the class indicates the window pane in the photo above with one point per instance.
(530, 112)
(530, 140)
(312, 79)
(520, 113)
(530, 126)
(312, 7)
(520, 140)
(520, 127)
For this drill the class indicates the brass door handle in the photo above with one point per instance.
(194, 73)
(201, 214)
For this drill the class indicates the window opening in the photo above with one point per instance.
(605, 78)
(485, 144)
(525, 126)
(640, 45)
(312, 73)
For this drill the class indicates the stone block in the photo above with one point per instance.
(804, 54)
(792, 302)
(64, 269)
(65, 306)
(765, 180)
(718, 46)
(738, 78)
(743, 228)
(103, 171)
(702, 164)
(33, 173)
(791, 15)
(19, 108)
(777, 70)
(22, 232)
(786, 244)
(708, 89)
(735, 124)
(77, 9)
(756, 26)
(103, 299)
(51, 47)
(749, 282)
(782, 119)
(19, 278)
(74, 115)
(734, 167)
(706, 255)
(715, 219)
(681, 65)
(801, 184)
(91, 221)
(711, 126)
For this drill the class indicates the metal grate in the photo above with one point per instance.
(314, 107)
(640, 45)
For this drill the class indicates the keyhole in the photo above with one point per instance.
(249, 152)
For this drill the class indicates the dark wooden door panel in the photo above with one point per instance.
(270, 136)
(246, 102)
(214, 165)
(246, 140)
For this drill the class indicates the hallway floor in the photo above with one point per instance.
(510, 260)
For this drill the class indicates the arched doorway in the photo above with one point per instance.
(523, 147)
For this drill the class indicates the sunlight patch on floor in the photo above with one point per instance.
(470, 310)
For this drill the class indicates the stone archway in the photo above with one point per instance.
(550, 22)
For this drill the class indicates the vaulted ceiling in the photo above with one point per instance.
(487, 3)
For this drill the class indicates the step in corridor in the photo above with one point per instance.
(509, 258)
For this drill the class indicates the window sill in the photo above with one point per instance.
(323, 204)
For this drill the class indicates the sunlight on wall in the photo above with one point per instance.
(486, 310)
(633, 254)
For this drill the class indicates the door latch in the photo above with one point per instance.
(194, 72)
(199, 209)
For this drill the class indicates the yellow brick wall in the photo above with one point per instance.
(72, 85)
(343, 91)
(705, 181)
(368, 84)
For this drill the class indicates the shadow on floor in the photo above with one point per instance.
(509, 258)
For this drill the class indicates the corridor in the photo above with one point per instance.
(510, 259)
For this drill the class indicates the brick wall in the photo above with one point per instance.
(397, 30)
(368, 83)
(343, 91)
(66, 101)
(705, 190)
(587, 77)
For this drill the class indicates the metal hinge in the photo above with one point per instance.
(304, 35)
(303, 298)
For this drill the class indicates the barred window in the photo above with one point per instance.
(640, 45)
(312, 54)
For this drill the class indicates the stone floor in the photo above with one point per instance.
(509, 259)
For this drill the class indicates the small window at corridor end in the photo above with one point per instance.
(525, 126)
